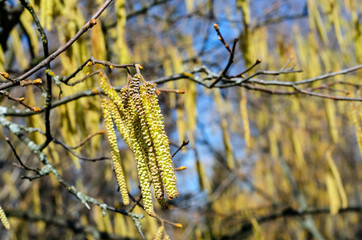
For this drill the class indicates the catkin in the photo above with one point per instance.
(111, 92)
(138, 118)
(116, 158)
(150, 149)
(145, 186)
(159, 233)
(143, 135)
(132, 122)
(4, 219)
(120, 123)
(160, 139)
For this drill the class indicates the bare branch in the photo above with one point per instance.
(20, 101)
(91, 61)
(60, 50)
(257, 61)
(290, 212)
(228, 65)
(48, 99)
(69, 149)
(221, 38)
(83, 79)
(301, 82)
(63, 222)
(89, 137)
(19, 159)
(184, 143)
(306, 92)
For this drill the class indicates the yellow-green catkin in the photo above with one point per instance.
(120, 123)
(138, 118)
(128, 119)
(141, 135)
(166, 237)
(159, 233)
(145, 186)
(110, 92)
(4, 219)
(160, 139)
(152, 145)
(132, 122)
(112, 139)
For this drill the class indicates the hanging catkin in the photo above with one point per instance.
(160, 140)
(4, 219)
(138, 118)
(112, 139)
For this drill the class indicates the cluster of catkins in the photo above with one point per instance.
(136, 114)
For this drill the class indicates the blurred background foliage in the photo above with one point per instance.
(255, 160)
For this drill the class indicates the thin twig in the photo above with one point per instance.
(269, 91)
(19, 159)
(180, 168)
(184, 143)
(69, 149)
(178, 225)
(113, 65)
(263, 72)
(230, 62)
(87, 93)
(257, 61)
(291, 212)
(7, 77)
(285, 66)
(221, 38)
(326, 96)
(20, 101)
(24, 83)
(301, 82)
(91, 61)
(64, 222)
(84, 78)
(80, 68)
(136, 202)
(89, 137)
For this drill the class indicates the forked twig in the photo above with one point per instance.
(257, 61)
(20, 101)
(22, 165)
(228, 65)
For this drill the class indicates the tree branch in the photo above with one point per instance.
(60, 50)
(69, 149)
(61, 221)
(248, 83)
(48, 99)
(290, 212)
